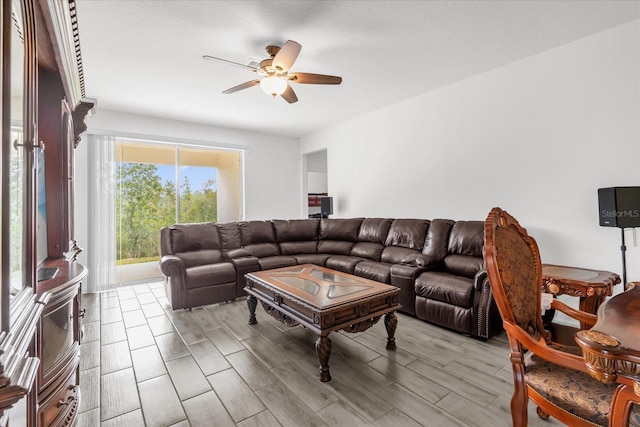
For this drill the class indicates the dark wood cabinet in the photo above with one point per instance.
(43, 114)
(58, 344)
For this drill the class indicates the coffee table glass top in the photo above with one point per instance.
(320, 286)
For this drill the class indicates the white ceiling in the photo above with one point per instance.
(145, 56)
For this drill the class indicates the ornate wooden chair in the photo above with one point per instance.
(552, 375)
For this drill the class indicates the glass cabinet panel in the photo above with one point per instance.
(16, 211)
(57, 336)
(16, 220)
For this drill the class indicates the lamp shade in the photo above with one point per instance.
(273, 85)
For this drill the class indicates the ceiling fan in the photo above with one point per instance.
(275, 75)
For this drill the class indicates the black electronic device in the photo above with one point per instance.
(326, 206)
(619, 207)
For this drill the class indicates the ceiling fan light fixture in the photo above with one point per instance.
(273, 85)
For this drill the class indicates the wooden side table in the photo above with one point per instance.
(591, 286)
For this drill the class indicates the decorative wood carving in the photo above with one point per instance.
(252, 302)
(362, 326)
(73, 252)
(80, 114)
(391, 322)
(278, 315)
(62, 27)
(323, 349)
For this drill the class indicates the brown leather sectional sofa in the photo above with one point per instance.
(437, 263)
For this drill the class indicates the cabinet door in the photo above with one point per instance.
(58, 339)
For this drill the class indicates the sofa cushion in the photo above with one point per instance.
(374, 230)
(317, 259)
(445, 287)
(437, 241)
(201, 257)
(334, 247)
(297, 236)
(340, 229)
(369, 250)
(295, 248)
(258, 238)
(194, 237)
(229, 235)
(463, 265)
(466, 238)
(262, 250)
(253, 232)
(294, 230)
(343, 263)
(378, 271)
(396, 254)
(210, 275)
(408, 233)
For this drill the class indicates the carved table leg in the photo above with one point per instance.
(390, 322)
(323, 348)
(252, 303)
(590, 304)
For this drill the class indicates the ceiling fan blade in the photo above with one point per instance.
(314, 79)
(287, 55)
(289, 95)
(213, 58)
(244, 85)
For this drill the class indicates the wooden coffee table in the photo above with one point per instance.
(323, 300)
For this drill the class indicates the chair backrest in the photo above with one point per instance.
(515, 273)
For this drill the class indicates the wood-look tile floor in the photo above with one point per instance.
(143, 364)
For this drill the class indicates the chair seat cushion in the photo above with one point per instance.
(210, 274)
(574, 391)
(445, 287)
(634, 417)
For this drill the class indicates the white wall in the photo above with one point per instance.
(229, 187)
(271, 163)
(537, 137)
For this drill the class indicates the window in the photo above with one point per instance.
(160, 184)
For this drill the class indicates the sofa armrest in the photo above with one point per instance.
(246, 263)
(479, 280)
(243, 266)
(422, 260)
(232, 254)
(487, 320)
(175, 281)
(172, 266)
(403, 276)
(407, 271)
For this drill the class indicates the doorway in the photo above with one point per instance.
(317, 180)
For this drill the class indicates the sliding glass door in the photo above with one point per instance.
(162, 184)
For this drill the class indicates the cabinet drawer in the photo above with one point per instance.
(62, 408)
